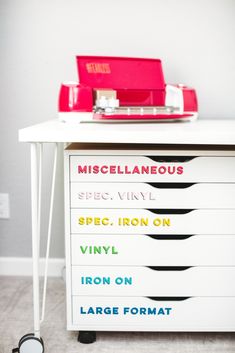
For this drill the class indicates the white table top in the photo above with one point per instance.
(209, 132)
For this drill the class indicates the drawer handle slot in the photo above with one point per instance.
(170, 236)
(171, 185)
(169, 268)
(175, 299)
(170, 211)
(171, 159)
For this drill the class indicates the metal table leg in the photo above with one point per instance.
(35, 237)
(33, 342)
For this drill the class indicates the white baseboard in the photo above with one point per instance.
(23, 266)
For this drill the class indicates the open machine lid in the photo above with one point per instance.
(120, 72)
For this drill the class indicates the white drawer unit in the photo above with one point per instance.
(150, 238)
(149, 225)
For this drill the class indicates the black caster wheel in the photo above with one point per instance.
(87, 337)
(29, 344)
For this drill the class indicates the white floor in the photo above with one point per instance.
(16, 320)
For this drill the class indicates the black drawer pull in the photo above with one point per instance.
(170, 236)
(171, 159)
(175, 299)
(169, 211)
(171, 185)
(169, 268)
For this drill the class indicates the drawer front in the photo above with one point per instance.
(145, 281)
(139, 313)
(156, 195)
(139, 221)
(152, 169)
(143, 250)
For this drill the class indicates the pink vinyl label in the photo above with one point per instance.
(125, 169)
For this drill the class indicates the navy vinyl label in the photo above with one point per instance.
(126, 310)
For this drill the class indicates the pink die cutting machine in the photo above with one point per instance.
(124, 89)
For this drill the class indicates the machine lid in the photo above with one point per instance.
(120, 72)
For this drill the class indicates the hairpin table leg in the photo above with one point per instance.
(32, 342)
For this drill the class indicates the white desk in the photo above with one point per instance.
(208, 132)
(202, 132)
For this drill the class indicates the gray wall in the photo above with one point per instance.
(38, 44)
